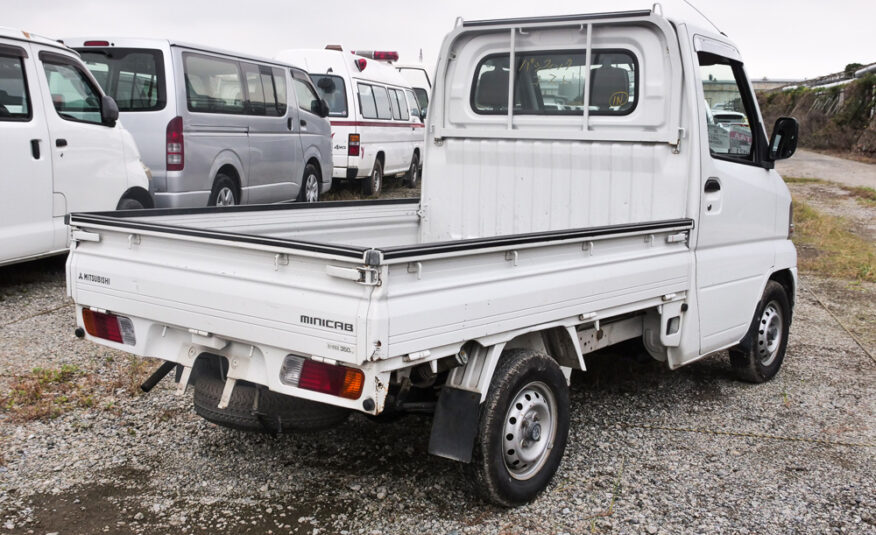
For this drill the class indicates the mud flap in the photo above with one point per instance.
(455, 424)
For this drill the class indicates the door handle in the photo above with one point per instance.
(712, 185)
(35, 148)
(289, 123)
(60, 142)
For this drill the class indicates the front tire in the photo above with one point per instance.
(760, 354)
(129, 204)
(523, 427)
(372, 185)
(413, 172)
(311, 185)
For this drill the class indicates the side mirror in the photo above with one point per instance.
(783, 142)
(423, 114)
(109, 111)
(319, 107)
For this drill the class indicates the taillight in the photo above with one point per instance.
(176, 152)
(353, 145)
(110, 327)
(331, 379)
(96, 43)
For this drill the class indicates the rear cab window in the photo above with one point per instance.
(14, 96)
(554, 83)
(333, 91)
(134, 77)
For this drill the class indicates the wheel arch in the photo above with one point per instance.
(139, 194)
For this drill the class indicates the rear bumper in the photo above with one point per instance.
(349, 173)
(186, 199)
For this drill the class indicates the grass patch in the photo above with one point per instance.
(837, 252)
(867, 196)
(46, 393)
(802, 180)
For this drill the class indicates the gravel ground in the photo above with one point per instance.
(650, 451)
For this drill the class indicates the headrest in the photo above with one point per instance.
(610, 88)
(492, 90)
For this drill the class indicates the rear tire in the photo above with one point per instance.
(413, 174)
(311, 184)
(760, 354)
(372, 185)
(524, 424)
(279, 413)
(224, 192)
(129, 204)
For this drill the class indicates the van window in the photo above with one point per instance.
(332, 90)
(255, 93)
(134, 77)
(381, 98)
(413, 104)
(74, 96)
(401, 104)
(366, 102)
(307, 98)
(14, 99)
(422, 97)
(213, 85)
(393, 105)
(280, 90)
(727, 113)
(553, 83)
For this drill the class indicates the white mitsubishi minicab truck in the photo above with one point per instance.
(576, 194)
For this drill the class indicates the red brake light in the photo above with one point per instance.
(386, 56)
(353, 145)
(334, 380)
(96, 43)
(176, 153)
(110, 327)
(361, 63)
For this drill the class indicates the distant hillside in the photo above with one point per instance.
(838, 117)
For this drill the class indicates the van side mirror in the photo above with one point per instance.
(423, 114)
(109, 111)
(319, 107)
(783, 142)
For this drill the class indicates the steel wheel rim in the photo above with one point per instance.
(311, 191)
(225, 197)
(375, 180)
(769, 333)
(529, 431)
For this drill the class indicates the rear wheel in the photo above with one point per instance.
(413, 174)
(224, 192)
(310, 184)
(761, 353)
(130, 204)
(276, 413)
(371, 186)
(523, 427)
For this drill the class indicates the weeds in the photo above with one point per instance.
(838, 251)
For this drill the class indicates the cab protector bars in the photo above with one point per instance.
(370, 256)
(558, 18)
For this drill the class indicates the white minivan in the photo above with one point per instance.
(215, 127)
(61, 146)
(377, 124)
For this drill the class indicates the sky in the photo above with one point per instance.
(785, 39)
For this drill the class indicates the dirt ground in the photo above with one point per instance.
(810, 164)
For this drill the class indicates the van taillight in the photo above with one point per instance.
(96, 43)
(176, 152)
(353, 145)
(108, 326)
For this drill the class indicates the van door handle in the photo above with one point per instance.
(289, 123)
(712, 185)
(60, 142)
(35, 148)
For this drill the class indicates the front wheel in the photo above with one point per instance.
(129, 204)
(760, 354)
(310, 185)
(523, 427)
(413, 172)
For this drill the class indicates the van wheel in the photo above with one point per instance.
(413, 172)
(310, 185)
(224, 192)
(372, 184)
(760, 354)
(130, 204)
(277, 413)
(523, 427)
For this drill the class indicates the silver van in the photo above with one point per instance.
(216, 127)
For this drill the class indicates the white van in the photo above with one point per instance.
(217, 128)
(61, 146)
(377, 124)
